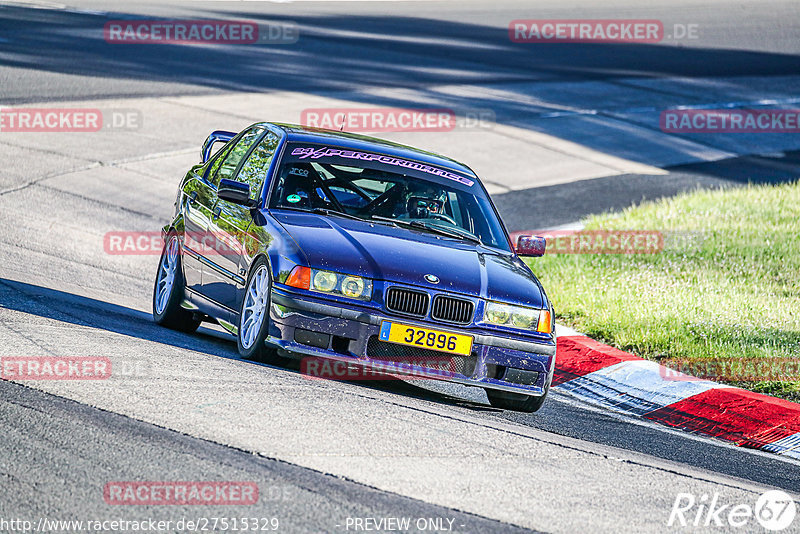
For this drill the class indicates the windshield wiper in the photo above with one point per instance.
(450, 232)
(322, 211)
(336, 213)
(419, 225)
(469, 236)
(325, 211)
(389, 220)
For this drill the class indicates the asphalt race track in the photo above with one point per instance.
(573, 131)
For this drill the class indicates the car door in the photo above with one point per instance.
(199, 198)
(220, 266)
(234, 221)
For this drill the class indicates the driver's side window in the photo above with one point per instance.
(226, 164)
(217, 161)
(255, 169)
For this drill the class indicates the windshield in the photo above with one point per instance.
(386, 189)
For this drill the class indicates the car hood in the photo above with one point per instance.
(384, 252)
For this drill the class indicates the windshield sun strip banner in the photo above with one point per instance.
(316, 153)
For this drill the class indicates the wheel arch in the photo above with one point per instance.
(177, 227)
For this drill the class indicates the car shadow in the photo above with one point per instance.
(85, 311)
(569, 419)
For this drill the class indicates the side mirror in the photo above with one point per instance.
(220, 136)
(530, 245)
(236, 192)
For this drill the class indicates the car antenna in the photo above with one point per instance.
(344, 118)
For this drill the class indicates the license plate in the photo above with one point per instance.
(426, 338)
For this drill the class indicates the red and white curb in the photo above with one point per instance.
(602, 375)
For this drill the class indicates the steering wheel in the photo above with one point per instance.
(443, 217)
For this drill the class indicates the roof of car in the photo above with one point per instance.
(305, 134)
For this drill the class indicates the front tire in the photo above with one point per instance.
(254, 315)
(168, 291)
(517, 402)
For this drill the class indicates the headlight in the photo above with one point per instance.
(524, 320)
(497, 313)
(324, 281)
(353, 287)
(518, 317)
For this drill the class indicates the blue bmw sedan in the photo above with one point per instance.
(320, 244)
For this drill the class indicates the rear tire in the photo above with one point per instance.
(254, 316)
(168, 290)
(517, 402)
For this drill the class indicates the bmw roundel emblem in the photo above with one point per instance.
(432, 278)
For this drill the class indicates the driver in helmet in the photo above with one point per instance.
(424, 203)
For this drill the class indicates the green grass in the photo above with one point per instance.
(726, 285)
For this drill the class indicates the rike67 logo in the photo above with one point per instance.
(774, 511)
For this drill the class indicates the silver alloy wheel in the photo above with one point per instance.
(166, 275)
(255, 307)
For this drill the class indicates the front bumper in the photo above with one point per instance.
(311, 327)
